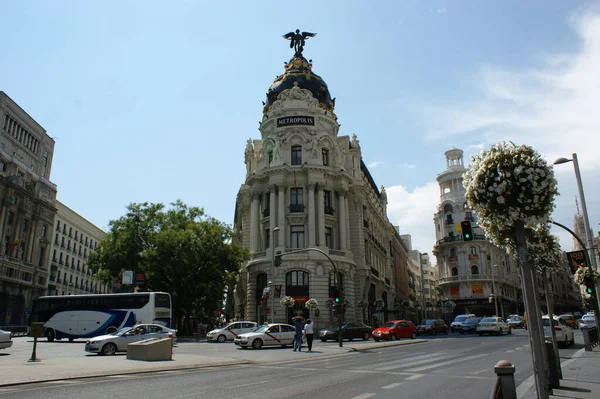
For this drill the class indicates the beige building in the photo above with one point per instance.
(307, 187)
(73, 239)
(27, 209)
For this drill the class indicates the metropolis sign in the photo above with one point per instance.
(295, 120)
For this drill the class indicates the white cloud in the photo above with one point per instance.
(552, 107)
(374, 164)
(413, 212)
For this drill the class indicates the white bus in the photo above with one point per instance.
(86, 316)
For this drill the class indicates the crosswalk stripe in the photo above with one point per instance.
(428, 359)
(364, 396)
(392, 386)
(453, 361)
(392, 365)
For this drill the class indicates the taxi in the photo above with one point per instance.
(276, 334)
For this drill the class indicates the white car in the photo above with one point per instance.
(564, 333)
(276, 334)
(587, 321)
(493, 325)
(117, 342)
(231, 330)
(5, 339)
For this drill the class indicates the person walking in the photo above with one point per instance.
(308, 331)
(299, 326)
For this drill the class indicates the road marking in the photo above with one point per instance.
(416, 376)
(509, 351)
(364, 396)
(403, 362)
(430, 358)
(62, 382)
(252, 383)
(480, 371)
(391, 386)
(454, 361)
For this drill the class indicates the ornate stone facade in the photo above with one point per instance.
(307, 187)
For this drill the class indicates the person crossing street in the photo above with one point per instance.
(299, 326)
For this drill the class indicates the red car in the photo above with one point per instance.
(433, 326)
(394, 329)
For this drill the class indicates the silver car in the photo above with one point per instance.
(5, 339)
(117, 342)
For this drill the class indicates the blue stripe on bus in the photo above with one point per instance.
(115, 320)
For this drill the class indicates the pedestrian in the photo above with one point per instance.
(308, 331)
(299, 326)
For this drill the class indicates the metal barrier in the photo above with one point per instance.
(504, 386)
(16, 331)
(590, 337)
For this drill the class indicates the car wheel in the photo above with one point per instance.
(434, 332)
(461, 332)
(376, 340)
(446, 331)
(509, 331)
(413, 336)
(257, 343)
(481, 334)
(284, 346)
(50, 335)
(221, 339)
(366, 336)
(323, 340)
(71, 339)
(393, 337)
(109, 349)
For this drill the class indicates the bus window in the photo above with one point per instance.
(162, 301)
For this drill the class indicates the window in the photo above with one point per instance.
(334, 284)
(64, 230)
(71, 232)
(328, 237)
(270, 157)
(328, 204)
(325, 154)
(449, 219)
(296, 277)
(473, 251)
(9, 219)
(454, 271)
(44, 228)
(452, 252)
(261, 283)
(267, 239)
(474, 270)
(25, 225)
(56, 239)
(75, 235)
(296, 200)
(296, 155)
(266, 205)
(62, 242)
(58, 225)
(297, 236)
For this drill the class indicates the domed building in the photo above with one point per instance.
(308, 189)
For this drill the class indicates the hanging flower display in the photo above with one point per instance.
(311, 304)
(543, 249)
(583, 273)
(287, 301)
(363, 304)
(329, 303)
(506, 184)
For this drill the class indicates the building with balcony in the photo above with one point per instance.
(73, 239)
(27, 210)
(308, 187)
(470, 272)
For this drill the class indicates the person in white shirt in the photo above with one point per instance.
(308, 331)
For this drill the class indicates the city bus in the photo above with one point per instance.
(86, 316)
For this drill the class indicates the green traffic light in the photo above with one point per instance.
(337, 300)
(588, 290)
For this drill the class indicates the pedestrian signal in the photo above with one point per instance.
(466, 230)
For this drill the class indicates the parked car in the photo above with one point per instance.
(564, 333)
(5, 339)
(276, 334)
(432, 327)
(470, 325)
(118, 341)
(231, 330)
(350, 331)
(493, 325)
(458, 320)
(569, 319)
(577, 315)
(394, 329)
(515, 321)
(587, 320)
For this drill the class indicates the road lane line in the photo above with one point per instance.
(364, 396)
(392, 386)
(431, 358)
(416, 376)
(480, 371)
(252, 383)
(454, 361)
(403, 362)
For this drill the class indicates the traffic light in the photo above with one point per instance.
(465, 226)
(277, 261)
(588, 285)
(337, 299)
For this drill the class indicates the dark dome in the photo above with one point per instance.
(300, 70)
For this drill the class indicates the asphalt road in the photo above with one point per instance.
(453, 366)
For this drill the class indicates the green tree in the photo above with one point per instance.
(180, 250)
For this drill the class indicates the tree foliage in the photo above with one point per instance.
(180, 250)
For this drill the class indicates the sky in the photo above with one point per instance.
(152, 102)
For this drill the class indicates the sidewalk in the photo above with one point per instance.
(13, 372)
(581, 378)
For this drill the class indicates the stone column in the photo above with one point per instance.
(254, 210)
(321, 214)
(281, 216)
(272, 213)
(342, 218)
(311, 215)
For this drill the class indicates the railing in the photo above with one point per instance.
(266, 212)
(452, 259)
(449, 221)
(472, 277)
(473, 256)
(470, 218)
(297, 208)
(336, 252)
(16, 331)
(329, 210)
(374, 271)
(260, 254)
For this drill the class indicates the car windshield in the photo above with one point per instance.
(429, 322)
(334, 327)
(488, 320)
(261, 329)
(471, 321)
(460, 319)
(515, 318)
(122, 331)
(390, 324)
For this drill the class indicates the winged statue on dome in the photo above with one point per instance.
(297, 40)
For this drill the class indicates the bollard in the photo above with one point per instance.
(506, 374)
(552, 368)
(586, 338)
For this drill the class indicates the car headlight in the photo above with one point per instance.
(95, 342)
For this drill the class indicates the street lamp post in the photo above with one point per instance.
(275, 230)
(495, 294)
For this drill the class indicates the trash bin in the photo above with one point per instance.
(553, 365)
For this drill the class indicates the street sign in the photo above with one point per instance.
(576, 260)
(127, 277)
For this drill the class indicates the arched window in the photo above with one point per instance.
(474, 270)
(261, 283)
(296, 278)
(455, 271)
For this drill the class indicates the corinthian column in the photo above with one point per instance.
(311, 215)
(281, 215)
(272, 213)
(254, 209)
(342, 217)
(321, 213)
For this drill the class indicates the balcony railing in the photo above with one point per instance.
(452, 259)
(473, 256)
(329, 210)
(336, 252)
(266, 213)
(297, 208)
(470, 218)
(374, 271)
(471, 277)
(449, 221)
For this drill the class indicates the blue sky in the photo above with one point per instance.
(154, 101)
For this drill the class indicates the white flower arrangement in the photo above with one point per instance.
(506, 184)
(543, 249)
(583, 272)
(287, 301)
(311, 304)
(363, 304)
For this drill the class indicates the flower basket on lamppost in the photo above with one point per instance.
(287, 302)
(311, 305)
